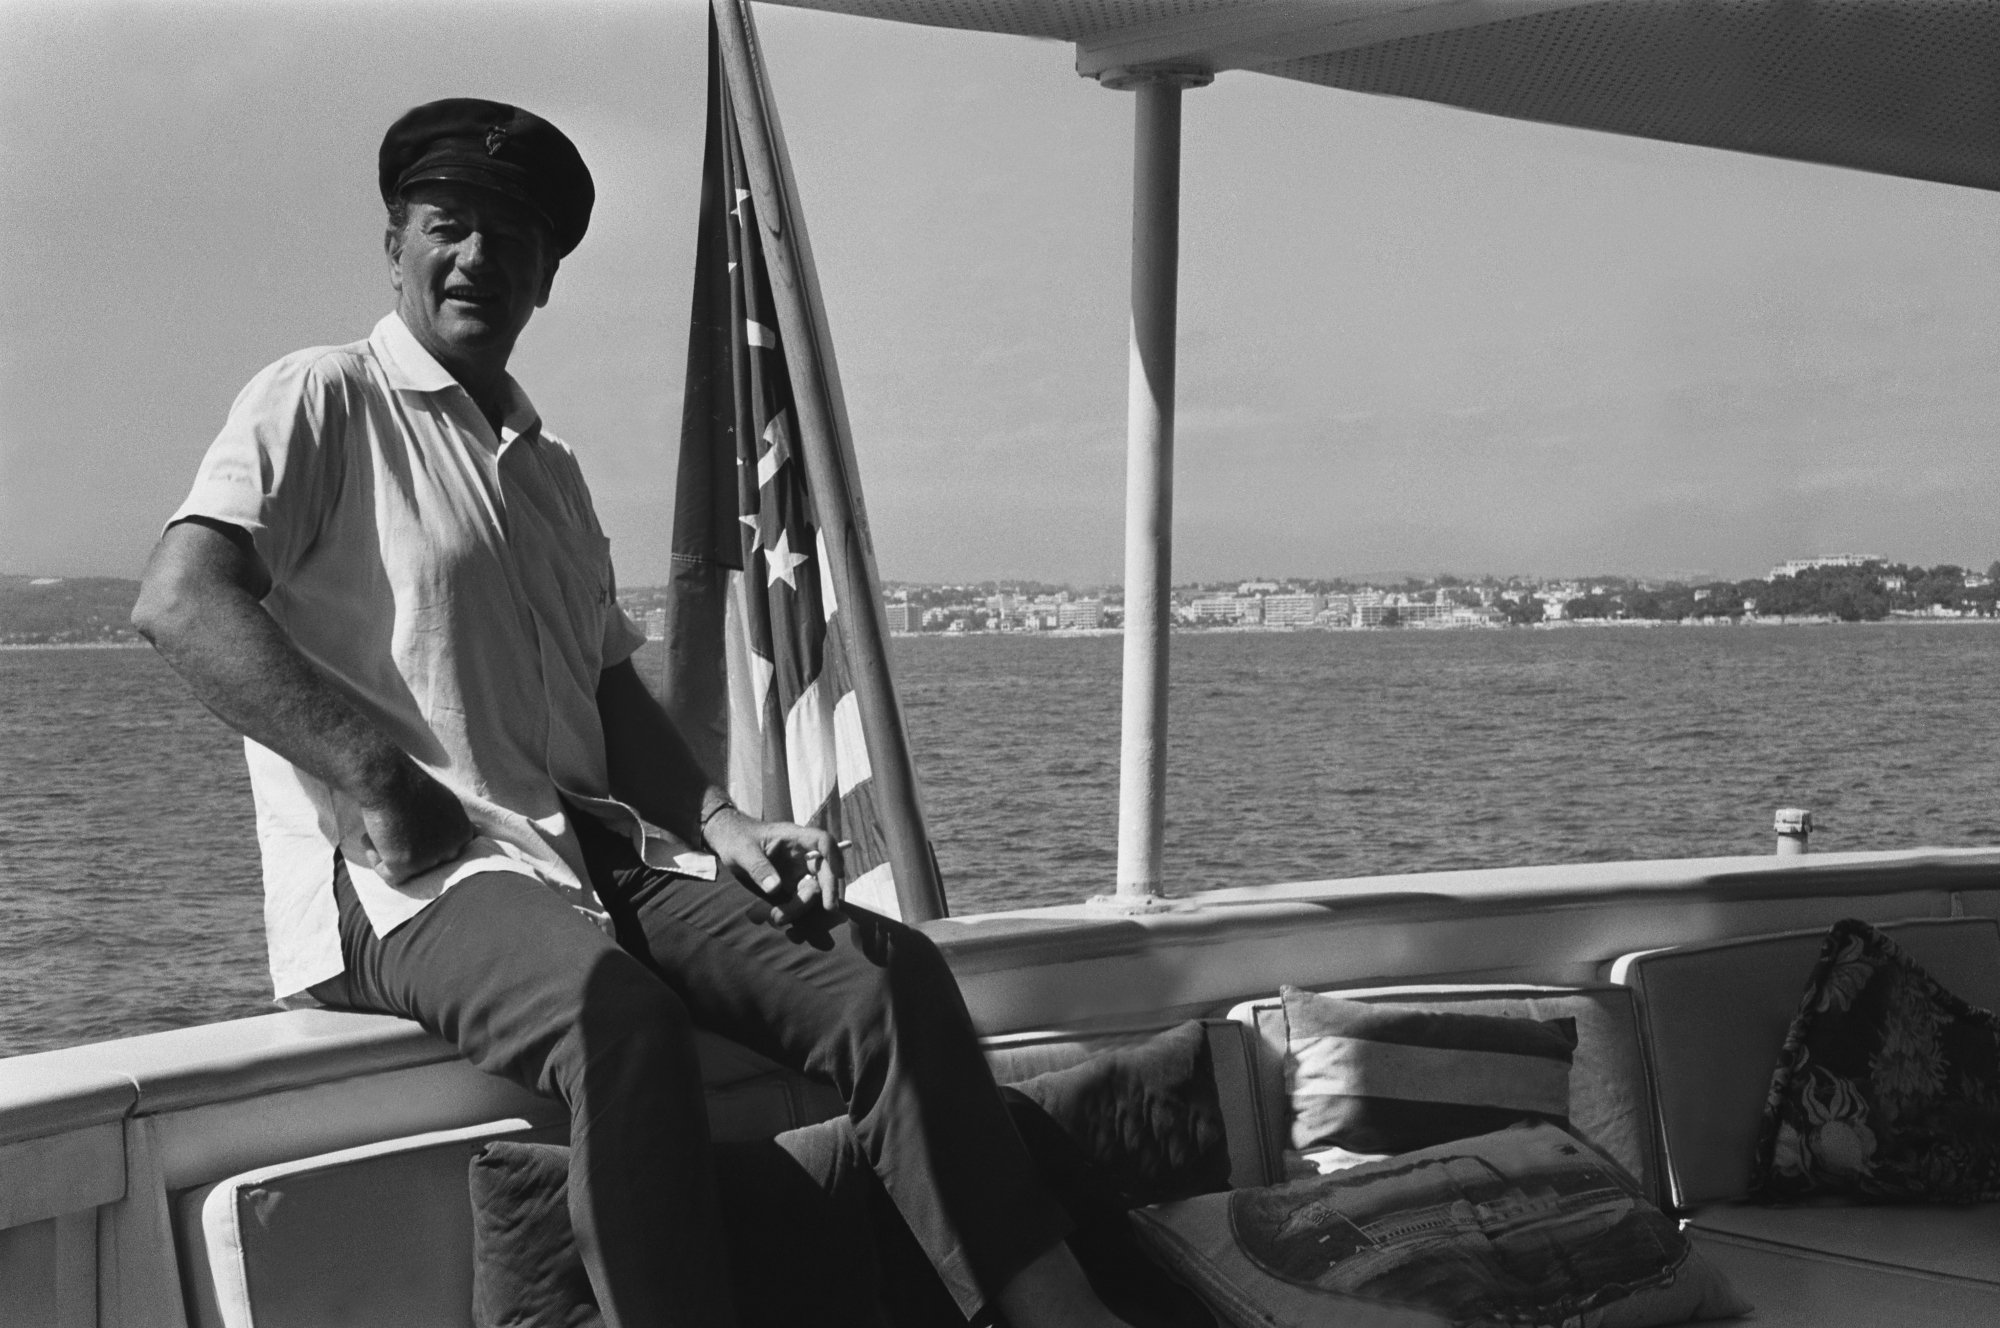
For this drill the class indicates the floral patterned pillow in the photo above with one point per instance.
(1888, 1087)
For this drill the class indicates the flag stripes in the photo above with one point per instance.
(759, 673)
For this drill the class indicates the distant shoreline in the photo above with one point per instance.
(1074, 633)
(1561, 625)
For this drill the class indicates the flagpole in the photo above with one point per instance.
(829, 456)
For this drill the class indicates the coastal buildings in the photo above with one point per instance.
(1797, 565)
(1084, 614)
(1845, 587)
(1293, 610)
(1225, 609)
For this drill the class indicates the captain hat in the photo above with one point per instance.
(493, 146)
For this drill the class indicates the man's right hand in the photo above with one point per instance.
(413, 825)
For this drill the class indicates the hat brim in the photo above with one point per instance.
(497, 182)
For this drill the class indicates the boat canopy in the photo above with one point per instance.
(1898, 87)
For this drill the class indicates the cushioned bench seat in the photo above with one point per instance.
(1687, 1049)
(1797, 1288)
(1947, 1241)
(1714, 1019)
(1669, 1076)
(373, 1237)
(381, 1236)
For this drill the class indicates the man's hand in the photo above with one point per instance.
(411, 826)
(796, 867)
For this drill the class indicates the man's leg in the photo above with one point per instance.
(868, 1005)
(529, 989)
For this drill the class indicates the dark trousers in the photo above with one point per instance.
(530, 989)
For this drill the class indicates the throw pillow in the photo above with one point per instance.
(1377, 1078)
(1523, 1225)
(1146, 1117)
(1888, 1087)
(525, 1268)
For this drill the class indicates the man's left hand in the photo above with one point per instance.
(796, 867)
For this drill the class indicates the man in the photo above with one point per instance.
(391, 580)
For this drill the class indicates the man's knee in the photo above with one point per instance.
(905, 984)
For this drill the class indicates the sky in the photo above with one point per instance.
(1412, 339)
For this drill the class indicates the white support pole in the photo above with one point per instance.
(1149, 486)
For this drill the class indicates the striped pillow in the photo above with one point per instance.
(1391, 1078)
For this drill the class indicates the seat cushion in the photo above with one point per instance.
(1714, 1018)
(372, 1237)
(1610, 1099)
(1961, 1242)
(1799, 1288)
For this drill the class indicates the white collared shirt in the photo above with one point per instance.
(455, 586)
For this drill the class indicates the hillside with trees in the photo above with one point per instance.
(1868, 593)
(80, 610)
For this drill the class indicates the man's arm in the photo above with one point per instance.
(199, 604)
(652, 769)
(654, 772)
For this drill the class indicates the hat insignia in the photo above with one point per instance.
(496, 138)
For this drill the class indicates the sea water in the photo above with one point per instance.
(129, 899)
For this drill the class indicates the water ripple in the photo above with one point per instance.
(128, 877)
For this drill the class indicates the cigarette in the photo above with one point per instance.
(814, 855)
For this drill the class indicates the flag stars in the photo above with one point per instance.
(782, 563)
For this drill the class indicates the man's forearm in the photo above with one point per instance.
(651, 767)
(198, 608)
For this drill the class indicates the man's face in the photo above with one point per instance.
(470, 268)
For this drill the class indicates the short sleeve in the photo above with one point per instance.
(275, 469)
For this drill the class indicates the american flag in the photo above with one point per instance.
(759, 667)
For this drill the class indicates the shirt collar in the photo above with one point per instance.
(411, 368)
(521, 419)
